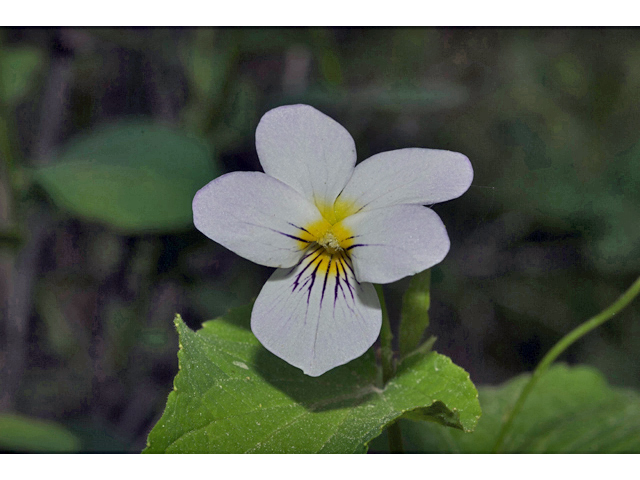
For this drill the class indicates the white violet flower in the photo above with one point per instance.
(331, 229)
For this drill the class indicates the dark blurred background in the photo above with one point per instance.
(97, 257)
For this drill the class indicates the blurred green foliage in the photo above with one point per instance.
(546, 237)
(19, 433)
(135, 177)
(19, 67)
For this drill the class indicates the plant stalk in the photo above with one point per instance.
(560, 347)
(388, 370)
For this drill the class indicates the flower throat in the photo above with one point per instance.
(330, 242)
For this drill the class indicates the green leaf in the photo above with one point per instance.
(136, 177)
(571, 410)
(25, 434)
(19, 67)
(414, 317)
(232, 396)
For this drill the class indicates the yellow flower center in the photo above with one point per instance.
(331, 235)
(333, 238)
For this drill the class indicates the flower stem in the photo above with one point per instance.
(388, 370)
(560, 347)
(386, 336)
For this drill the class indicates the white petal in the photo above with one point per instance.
(307, 150)
(408, 176)
(315, 317)
(255, 216)
(394, 242)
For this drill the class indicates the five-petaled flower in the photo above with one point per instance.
(331, 229)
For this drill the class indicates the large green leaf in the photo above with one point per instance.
(25, 434)
(231, 395)
(136, 177)
(571, 409)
